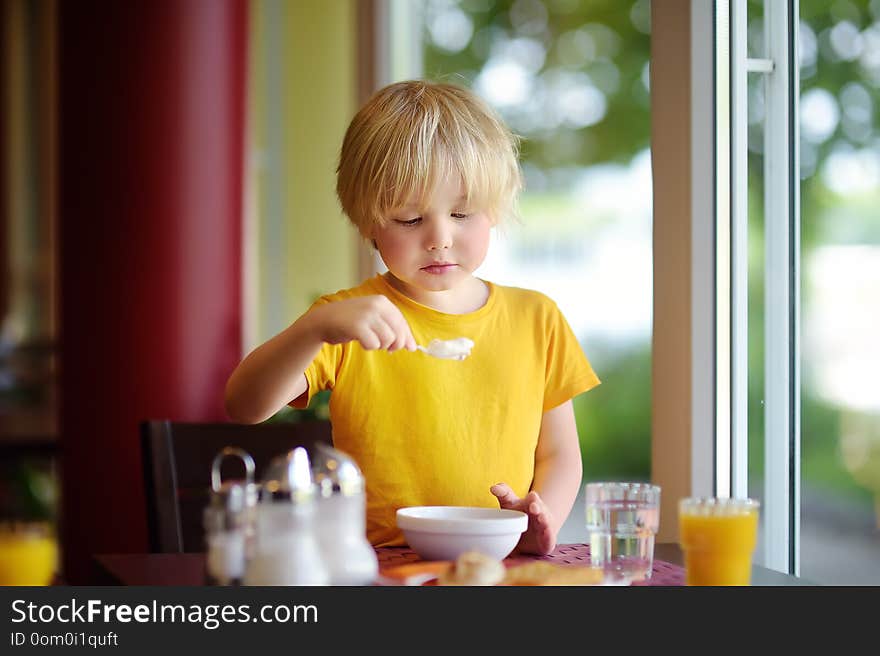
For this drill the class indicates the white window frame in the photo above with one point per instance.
(781, 285)
(725, 343)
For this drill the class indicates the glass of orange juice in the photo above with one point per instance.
(718, 537)
(28, 553)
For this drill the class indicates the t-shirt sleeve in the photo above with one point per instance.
(568, 372)
(322, 372)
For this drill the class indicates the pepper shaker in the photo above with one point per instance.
(228, 521)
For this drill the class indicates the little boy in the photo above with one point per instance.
(425, 171)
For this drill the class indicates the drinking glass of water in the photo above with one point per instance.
(622, 520)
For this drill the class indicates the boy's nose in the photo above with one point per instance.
(439, 237)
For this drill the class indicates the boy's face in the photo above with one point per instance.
(435, 248)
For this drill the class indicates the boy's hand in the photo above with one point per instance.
(540, 535)
(374, 321)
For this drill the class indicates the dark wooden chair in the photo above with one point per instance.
(177, 461)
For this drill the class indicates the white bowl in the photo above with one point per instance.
(446, 532)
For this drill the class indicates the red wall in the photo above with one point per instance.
(152, 98)
(4, 263)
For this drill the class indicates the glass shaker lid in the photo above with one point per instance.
(336, 472)
(289, 477)
(234, 494)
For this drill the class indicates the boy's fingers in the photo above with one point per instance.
(405, 340)
(506, 496)
(410, 340)
(533, 503)
(369, 341)
(403, 335)
(540, 518)
(398, 343)
(385, 333)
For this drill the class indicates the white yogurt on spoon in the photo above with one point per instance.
(449, 349)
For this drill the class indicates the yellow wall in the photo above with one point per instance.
(321, 97)
(316, 41)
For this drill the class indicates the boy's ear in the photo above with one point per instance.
(369, 235)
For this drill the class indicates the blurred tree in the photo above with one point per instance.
(614, 420)
(559, 52)
(839, 53)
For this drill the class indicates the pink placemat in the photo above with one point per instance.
(662, 573)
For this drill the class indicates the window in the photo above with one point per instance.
(805, 275)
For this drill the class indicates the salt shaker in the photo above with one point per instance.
(228, 521)
(286, 550)
(341, 518)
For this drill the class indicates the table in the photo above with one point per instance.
(187, 569)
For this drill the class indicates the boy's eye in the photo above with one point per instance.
(408, 222)
(460, 215)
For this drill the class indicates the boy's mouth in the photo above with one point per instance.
(439, 268)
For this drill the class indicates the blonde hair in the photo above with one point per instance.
(409, 136)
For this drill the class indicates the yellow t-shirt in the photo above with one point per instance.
(426, 431)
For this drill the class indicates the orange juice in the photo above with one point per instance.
(718, 537)
(27, 557)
